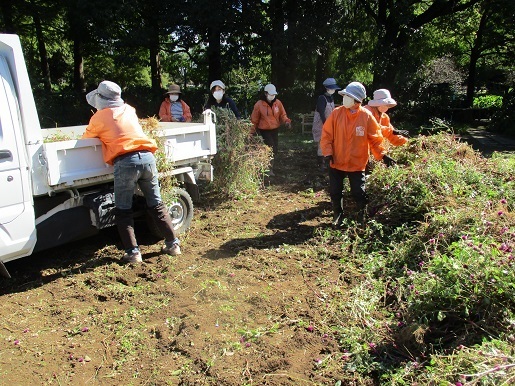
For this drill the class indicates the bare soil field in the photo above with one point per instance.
(245, 304)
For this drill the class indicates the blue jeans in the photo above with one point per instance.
(137, 168)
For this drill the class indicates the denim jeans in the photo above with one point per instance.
(138, 168)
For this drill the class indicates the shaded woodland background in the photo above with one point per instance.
(451, 59)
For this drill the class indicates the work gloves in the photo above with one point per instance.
(404, 133)
(328, 160)
(388, 161)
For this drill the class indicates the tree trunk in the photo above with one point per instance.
(277, 42)
(7, 12)
(79, 83)
(45, 68)
(321, 66)
(155, 67)
(213, 53)
(475, 54)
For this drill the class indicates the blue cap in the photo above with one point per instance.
(330, 83)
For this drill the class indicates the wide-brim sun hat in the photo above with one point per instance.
(331, 84)
(174, 89)
(217, 83)
(107, 94)
(270, 89)
(382, 97)
(355, 90)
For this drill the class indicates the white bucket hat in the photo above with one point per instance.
(382, 97)
(107, 94)
(270, 89)
(355, 90)
(217, 83)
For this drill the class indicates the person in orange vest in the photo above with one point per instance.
(267, 116)
(378, 106)
(347, 135)
(173, 108)
(131, 152)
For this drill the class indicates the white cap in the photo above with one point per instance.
(270, 88)
(217, 83)
(382, 97)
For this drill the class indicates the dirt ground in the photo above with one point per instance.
(243, 304)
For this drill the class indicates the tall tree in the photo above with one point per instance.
(396, 21)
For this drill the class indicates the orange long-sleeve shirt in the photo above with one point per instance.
(120, 132)
(266, 117)
(166, 116)
(347, 136)
(386, 127)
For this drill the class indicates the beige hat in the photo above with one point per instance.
(174, 89)
(382, 97)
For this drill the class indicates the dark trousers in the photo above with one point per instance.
(357, 187)
(271, 138)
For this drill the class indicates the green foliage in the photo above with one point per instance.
(487, 101)
(241, 159)
(438, 248)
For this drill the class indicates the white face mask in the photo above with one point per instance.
(174, 98)
(330, 91)
(348, 102)
(218, 95)
(270, 97)
(382, 109)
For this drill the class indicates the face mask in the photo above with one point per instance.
(270, 97)
(174, 98)
(348, 102)
(382, 109)
(218, 95)
(330, 91)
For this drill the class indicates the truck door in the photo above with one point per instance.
(17, 224)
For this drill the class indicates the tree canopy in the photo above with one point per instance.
(408, 46)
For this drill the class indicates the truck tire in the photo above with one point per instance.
(180, 209)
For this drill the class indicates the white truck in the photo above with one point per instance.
(53, 192)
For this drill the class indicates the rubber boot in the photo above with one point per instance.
(337, 215)
(125, 224)
(321, 163)
(163, 221)
(361, 214)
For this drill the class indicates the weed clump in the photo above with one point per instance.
(241, 159)
(438, 247)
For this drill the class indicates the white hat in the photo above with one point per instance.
(382, 97)
(355, 90)
(107, 94)
(217, 83)
(270, 88)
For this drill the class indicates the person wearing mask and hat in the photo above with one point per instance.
(173, 108)
(378, 106)
(324, 108)
(127, 147)
(347, 135)
(218, 98)
(267, 116)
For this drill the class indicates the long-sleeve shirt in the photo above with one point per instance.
(120, 132)
(268, 116)
(386, 127)
(347, 136)
(165, 112)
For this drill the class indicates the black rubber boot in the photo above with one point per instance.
(337, 215)
(361, 214)
(161, 217)
(125, 224)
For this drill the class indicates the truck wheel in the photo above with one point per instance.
(180, 208)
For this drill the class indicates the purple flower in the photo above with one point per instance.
(500, 213)
(310, 328)
(85, 329)
(464, 237)
(432, 241)
(503, 201)
(16, 342)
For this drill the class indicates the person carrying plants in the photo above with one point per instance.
(267, 116)
(173, 108)
(378, 106)
(127, 147)
(218, 98)
(347, 135)
(324, 108)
